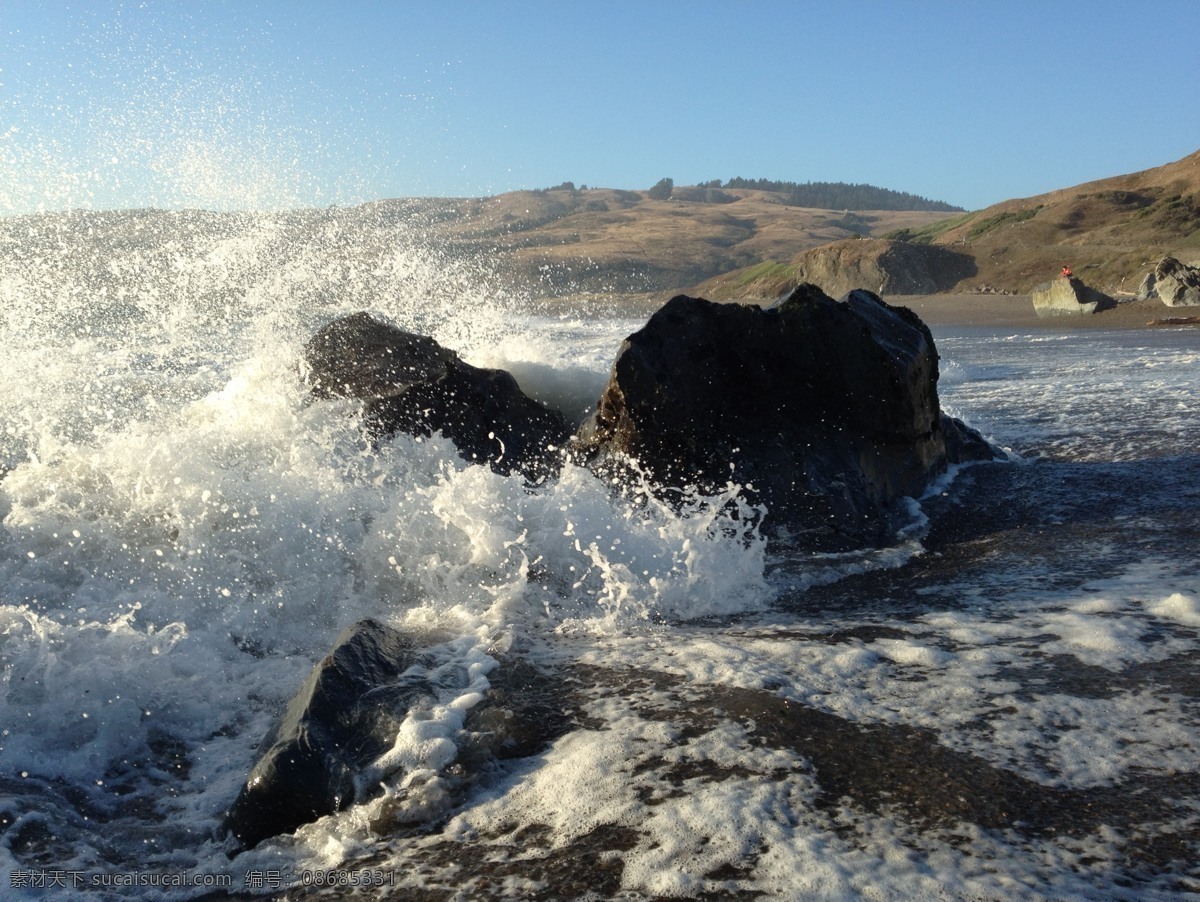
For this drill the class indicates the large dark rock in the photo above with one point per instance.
(1178, 284)
(828, 409)
(409, 383)
(343, 718)
(347, 715)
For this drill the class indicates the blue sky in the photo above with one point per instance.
(267, 104)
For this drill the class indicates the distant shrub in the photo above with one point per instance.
(1125, 198)
(986, 225)
(1178, 213)
(662, 189)
(927, 234)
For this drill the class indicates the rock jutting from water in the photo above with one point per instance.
(825, 411)
(1177, 284)
(1068, 296)
(410, 383)
(342, 719)
(346, 717)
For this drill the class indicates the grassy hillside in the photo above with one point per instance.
(1110, 232)
(563, 241)
(731, 242)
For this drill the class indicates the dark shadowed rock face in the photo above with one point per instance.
(1147, 290)
(409, 383)
(343, 718)
(827, 408)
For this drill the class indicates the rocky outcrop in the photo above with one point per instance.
(1177, 283)
(888, 267)
(347, 716)
(341, 721)
(1146, 291)
(1069, 297)
(409, 383)
(826, 411)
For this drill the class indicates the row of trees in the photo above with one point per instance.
(839, 195)
(822, 195)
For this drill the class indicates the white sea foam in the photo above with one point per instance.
(185, 532)
(1177, 606)
(200, 523)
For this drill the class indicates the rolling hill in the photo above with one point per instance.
(718, 241)
(1111, 232)
(564, 242)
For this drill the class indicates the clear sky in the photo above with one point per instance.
(265, 104)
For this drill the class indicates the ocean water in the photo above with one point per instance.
(1003, 703)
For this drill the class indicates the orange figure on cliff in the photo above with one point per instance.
(1066, 273)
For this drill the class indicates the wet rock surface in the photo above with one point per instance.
(844, 770)
(342, 719)
(941, 789)
(825, 410)
(347, 715)
(410, 383)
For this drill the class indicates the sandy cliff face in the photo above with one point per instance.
(883, 266)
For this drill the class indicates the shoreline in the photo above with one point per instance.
(986, 311)
(1016, 311)
(990, 311)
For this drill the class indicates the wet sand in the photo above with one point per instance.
(997, 311)
(1016, 311)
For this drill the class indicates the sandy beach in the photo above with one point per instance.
(997, 311)
(1016, 311)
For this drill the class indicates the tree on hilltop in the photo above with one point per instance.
(662, 189)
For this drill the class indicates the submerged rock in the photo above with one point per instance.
(410, 383)
(1178, 284)
(826, 411)
(1069, 297)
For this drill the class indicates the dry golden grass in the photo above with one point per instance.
(566, 242)
(561, 243)
(1110, 232)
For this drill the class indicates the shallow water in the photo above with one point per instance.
(1002, 703)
